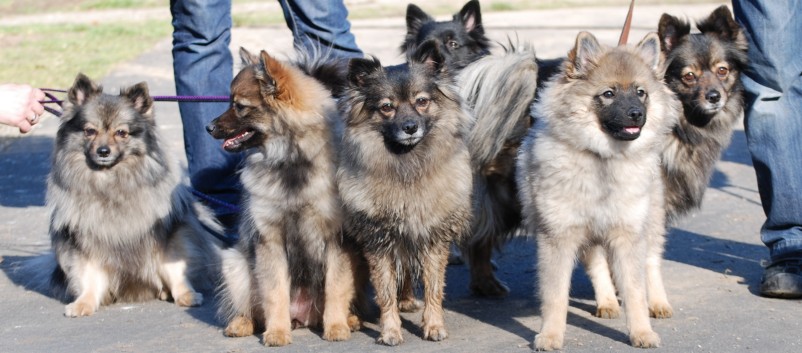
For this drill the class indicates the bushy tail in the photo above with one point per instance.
(235, 290)
(325, 67)
(499, 90)
(39, 273)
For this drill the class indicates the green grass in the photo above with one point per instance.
(119, 4)
(51, 55)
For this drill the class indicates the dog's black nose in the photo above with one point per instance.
(103, 151)
(713, 96)
(409, 127)
(210, 127)
(636, 114)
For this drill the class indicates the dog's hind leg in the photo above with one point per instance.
(174, 272)
(598, 270)
(408, 302)
(484, 282)
(434, 278)
(91, 282)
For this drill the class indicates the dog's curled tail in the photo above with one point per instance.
(499, 90)
(235, 289)
(324, 66)
(38, 273)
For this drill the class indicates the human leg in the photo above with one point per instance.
(773, 121)
(202, 65)
(321, 24)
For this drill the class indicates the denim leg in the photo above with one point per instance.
(202, 65)
(321, 23)
(773, 116)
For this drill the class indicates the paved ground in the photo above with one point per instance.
(712, 267)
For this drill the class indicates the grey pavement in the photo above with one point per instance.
(712, 266)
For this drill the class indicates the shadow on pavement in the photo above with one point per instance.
(723, 256)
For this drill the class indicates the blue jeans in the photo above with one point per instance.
(321, 24)
(773, 116)
(202, 64)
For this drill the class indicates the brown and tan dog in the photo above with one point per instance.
(405, 179)
(289, 267)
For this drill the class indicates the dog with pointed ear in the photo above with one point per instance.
(461, 40)
(606, 116)
(405, 129)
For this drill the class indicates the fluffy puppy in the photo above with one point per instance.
(589, 177)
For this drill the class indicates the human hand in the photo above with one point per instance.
(20, 107)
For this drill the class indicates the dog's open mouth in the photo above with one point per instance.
(235, 143)
(626, 133)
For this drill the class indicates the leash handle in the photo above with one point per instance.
(622, 40)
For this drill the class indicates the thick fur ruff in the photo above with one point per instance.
(122, 226)
(289, 267)
(712, 102)
(405, 179)
(589, 177)
(499, 90)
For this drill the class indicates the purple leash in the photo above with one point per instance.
(51, 99)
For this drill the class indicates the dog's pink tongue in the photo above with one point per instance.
(235, 141)
(230, 142)
(632, 129)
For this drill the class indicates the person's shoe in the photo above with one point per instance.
(782, 279)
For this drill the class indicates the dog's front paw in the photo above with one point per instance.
(391, 337)
(189, 299)
(337, 332)
(409, 305)
(645, 339)
(661, 310)
(277, 338)
(78, 309)
(544, 342)
(435, 332)
(240, 326)
(608, 312)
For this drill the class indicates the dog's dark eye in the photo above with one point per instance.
(238, 107)
(722, 71)
(121, 133)
(689, 77)
(608, 94)
(422, 102)
(386, 108)
(453, 44)
(89, 132)
(640, 92)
